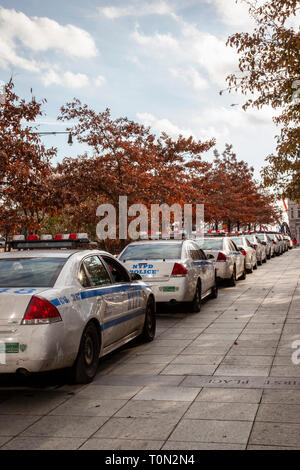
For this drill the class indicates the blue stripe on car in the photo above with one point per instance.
(117, 321)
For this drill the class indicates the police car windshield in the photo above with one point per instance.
(30, 272)
(237, 240)
(152, 251)
(211, 244)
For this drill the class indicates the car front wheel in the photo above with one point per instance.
(149, 328)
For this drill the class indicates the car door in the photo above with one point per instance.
(130, 316)
(99, 296)
(239, 258)
(202, 265)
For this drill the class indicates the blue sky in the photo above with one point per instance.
(159, 62)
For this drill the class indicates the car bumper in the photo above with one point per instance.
(35, 348)
(174, 289)
(223, 270)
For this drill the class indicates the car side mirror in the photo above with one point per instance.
(210, 256)
(136, 277)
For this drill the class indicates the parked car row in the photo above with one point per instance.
(64, 305)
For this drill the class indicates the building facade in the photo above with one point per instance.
(294, 219)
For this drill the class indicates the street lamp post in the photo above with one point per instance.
(70, 140)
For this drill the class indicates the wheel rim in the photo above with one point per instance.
(88, 351)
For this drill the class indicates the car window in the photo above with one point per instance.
(30, 272)
(210, 244)
(150, 251)
(238, 241)
(193, 252)
(235, 248)
(118, 272)
(95, 271)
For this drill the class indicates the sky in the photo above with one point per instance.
(159, 62)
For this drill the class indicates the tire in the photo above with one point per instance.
(232, 280)
(259, 262)
(243, 276)
(148, 333)
(255, 266)
(195, 305)
(215, 290)
(86, 364)
(250, 271)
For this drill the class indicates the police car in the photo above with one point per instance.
(63, 305)
(176, 270)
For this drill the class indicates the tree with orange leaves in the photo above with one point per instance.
(127, 159)
(25, 192)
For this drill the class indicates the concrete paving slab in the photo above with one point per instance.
(121, 444)
(12, 425)
(275, 434)
(191, 430)
(137, 428)
(189, 369)
(174, 445)
(88, 407)
(153, 409)
(222, 411)
(281, 396)
(279, 413)
(100, 392)
(43, 443)
(168, 393)
(65, 426)
(231, 395)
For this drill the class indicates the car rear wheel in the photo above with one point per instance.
(243, 276)
(232, 280)
(196, 303)
(215, 290)
(148, 332)
(86, 364)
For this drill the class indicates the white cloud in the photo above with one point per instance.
(137, 9)
(233, 13)
(236, 13)
(190, 77)
(41, 34)
(194, 48)
(163, 125)
(70, 79)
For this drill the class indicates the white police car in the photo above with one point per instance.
(176, 270)
(65, 308)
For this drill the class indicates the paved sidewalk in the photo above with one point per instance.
(219, 379)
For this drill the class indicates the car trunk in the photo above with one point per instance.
(13, 304)
(152, 270)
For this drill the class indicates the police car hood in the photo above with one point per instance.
(14, 301)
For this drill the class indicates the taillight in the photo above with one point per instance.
(179, 270)
(274, 243)
(40, 311)
(243, 252)
(254, 246)
(32, 237)
(73, 236)
(221, 257)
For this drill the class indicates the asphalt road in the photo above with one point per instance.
(220, 379)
